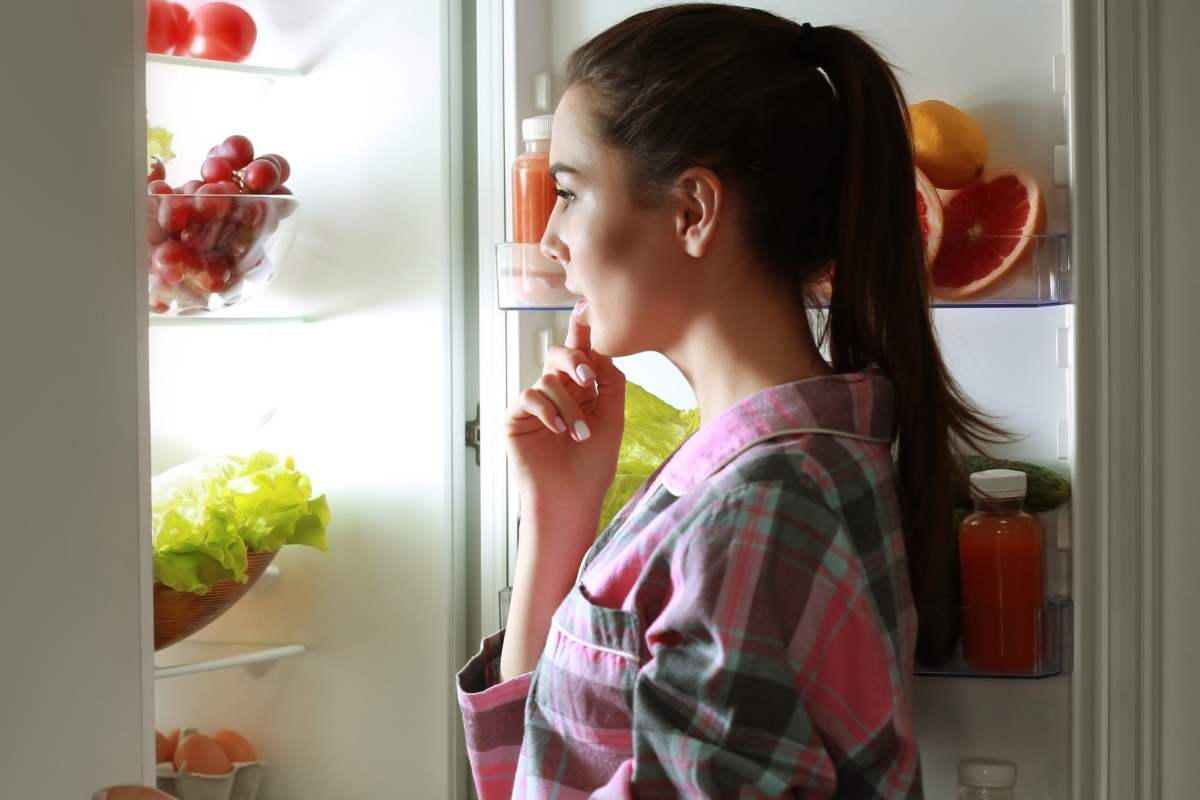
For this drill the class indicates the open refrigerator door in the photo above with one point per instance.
(338, 359)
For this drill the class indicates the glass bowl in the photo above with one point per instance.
(210, 251)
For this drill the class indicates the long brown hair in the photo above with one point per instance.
(810, 127)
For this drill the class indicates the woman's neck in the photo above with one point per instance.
(741, 347)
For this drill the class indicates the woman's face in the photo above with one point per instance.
(626, 260)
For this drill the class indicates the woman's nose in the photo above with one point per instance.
(553, 247)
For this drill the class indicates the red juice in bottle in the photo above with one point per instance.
(1000, 554)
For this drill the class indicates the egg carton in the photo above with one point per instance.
(241, 783)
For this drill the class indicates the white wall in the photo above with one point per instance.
(72, 353)
(1177, 177)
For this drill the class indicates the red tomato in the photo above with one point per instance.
(220, 31)
(163, 30)
(181, 18)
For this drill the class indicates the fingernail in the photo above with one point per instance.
(580, 307)
(581, 431)
(585, 373)
(559, 425)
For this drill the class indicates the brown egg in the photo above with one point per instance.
(235, 746)
(172, 743)
(199, 754)
(162, 748)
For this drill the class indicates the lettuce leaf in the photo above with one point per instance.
(654, 429)
(158, 145)
(208, 514)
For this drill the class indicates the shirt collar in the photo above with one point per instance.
(854, 405)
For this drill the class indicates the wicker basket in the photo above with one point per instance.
(178, 615)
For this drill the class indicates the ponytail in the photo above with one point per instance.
(879, 311)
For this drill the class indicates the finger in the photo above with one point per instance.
(579, 333)
(568, 408)
(573, 363)
(532, 403)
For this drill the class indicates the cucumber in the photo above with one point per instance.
(1047, 489)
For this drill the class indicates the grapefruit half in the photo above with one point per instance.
(929, 216)
(986, 232)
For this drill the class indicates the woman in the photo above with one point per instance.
(745, 626)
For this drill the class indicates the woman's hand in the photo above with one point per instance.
(563, 433)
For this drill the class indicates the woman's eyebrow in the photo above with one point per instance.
(560, 168)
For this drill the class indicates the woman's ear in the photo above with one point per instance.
(701, 199)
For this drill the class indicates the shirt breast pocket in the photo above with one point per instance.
(584, 683)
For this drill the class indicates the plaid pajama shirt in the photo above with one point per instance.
(743, 628)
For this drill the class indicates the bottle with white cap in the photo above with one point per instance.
(1000, 560)
(986, 779)
(533, 189)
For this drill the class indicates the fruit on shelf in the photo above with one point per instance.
(208, 237)
(987, 230)
(948, 144)
(164, 29)
(219, 31)
(929, 216)
(261, 176)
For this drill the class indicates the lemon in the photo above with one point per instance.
(948, 144)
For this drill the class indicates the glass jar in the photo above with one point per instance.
(986, 779)
(1000, 559)
(533, 193)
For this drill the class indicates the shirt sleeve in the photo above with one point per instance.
(493, 713)
(770, 673)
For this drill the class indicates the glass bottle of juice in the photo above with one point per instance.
(1000, 555)
(533, 188)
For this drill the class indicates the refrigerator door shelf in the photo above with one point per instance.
(1052, 654)
(1041, 276)
(526, 280)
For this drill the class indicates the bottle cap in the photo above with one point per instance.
(986, 773)
(999, 484)
(534, 128)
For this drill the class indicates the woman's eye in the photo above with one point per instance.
(565, 195)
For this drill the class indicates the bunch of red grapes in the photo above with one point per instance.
(207, 236)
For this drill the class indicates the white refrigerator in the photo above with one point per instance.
(380, 359)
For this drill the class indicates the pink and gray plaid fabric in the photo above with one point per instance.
(743, 629)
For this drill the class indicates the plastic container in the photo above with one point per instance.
(208, 252)
(1052, 657)
(527, 280)
(1042, 277)
(986, 779)
(1000, 558)
(533, 191)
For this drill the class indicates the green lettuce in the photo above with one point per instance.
(208, 514)
(158, 145)
(653, 430)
